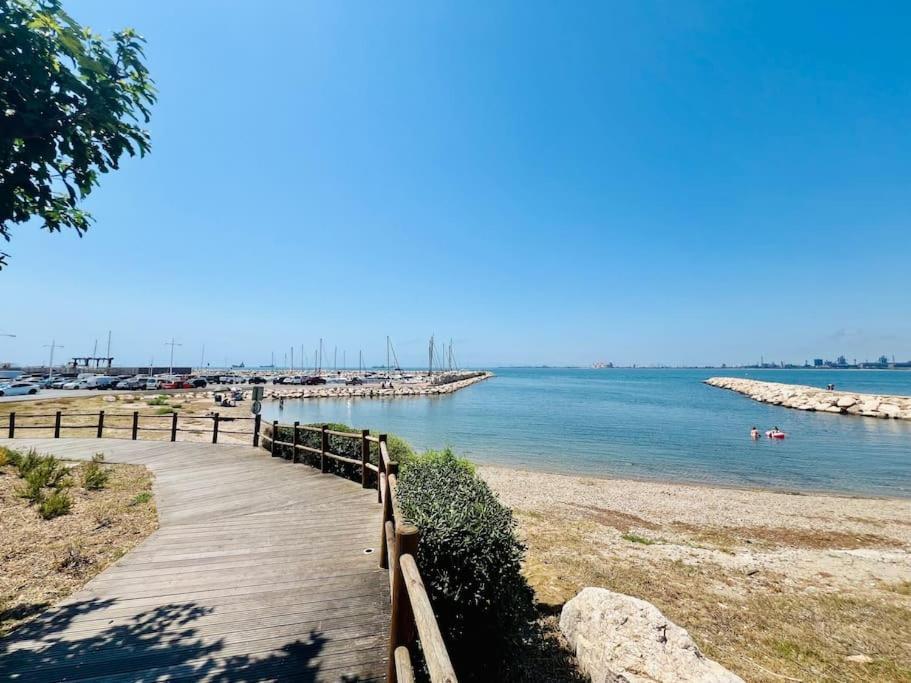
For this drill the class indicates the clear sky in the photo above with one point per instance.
(677, 182)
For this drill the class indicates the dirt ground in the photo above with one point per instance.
(43, 561)
(774, 586)
(80, 417)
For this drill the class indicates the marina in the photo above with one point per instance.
(645, 424)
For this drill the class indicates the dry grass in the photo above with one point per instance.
(758, 624)
(778, 537)
(42, 561)
(80, 416)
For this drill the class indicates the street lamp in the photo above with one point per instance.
(172, 344)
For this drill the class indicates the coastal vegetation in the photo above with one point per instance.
(471, 561)
(72, 105)
(55, 535)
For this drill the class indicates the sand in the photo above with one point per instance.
(771, 584)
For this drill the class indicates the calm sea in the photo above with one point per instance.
(644, 423)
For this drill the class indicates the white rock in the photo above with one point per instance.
(889, 409)
(846, 401)
(618, 638)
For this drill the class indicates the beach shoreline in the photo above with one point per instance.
(765, 581)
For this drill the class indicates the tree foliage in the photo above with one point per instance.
(71, 105)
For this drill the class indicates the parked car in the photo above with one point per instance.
(101, 382)
(18, 388)
(310, 381)
(76, 384)
(278, 380)
(176, 384)
(256, 380)
(58, 382)
(354, 381)
(153, 383)
(198, 382)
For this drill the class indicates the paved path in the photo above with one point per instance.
(260, 571)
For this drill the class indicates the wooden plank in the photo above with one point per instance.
(237, 579)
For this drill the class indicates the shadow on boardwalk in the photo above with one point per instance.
(159, 643)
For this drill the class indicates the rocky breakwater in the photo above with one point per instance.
(373, 390)
(803, 397)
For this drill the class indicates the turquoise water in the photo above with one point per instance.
(645, 423)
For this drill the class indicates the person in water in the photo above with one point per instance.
(754, 433)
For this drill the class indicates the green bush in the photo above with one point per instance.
(41, 472)
(470, 560)
(399, 449)
(166, 410)
(25, 463)
(160, 400)
(6, 456)
(94, 475)
(56, 503)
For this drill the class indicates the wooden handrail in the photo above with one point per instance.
(435, 654)
(107, 422)
(412, 616)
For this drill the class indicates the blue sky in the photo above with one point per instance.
(677, 182)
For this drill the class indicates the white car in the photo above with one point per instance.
(18, 388)
(76, 384)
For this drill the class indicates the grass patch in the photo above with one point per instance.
(94, 475)
(56, 503)
(160, 400)
(636, 538)
(50, 549)
(141, 498)
(762, 627)
(166, 410)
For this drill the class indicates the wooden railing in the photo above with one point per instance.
(138, 422)
(412, 617)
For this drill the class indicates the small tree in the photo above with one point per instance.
(70, 107)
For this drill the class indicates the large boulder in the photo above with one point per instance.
(621, 639)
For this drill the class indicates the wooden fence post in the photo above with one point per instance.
(401, 627)
(323, 447)
(57, 419)
(135, 424)
(381, 473)
(274, 437)
(387, 520)
(12, 424)
(257, 422)
(173, 426)
(294, 441)
(100, 423)
(215, 428)
(365, 456)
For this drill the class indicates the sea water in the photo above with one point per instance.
(659, 424)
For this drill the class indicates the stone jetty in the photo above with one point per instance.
(803, 397)
(373, 390)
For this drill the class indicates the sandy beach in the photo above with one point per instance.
(773, 585)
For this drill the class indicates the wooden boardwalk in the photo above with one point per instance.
(261, 570)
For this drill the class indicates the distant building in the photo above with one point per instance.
(818, 362)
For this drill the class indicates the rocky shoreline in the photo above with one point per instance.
(802, 397)
(376, 391)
